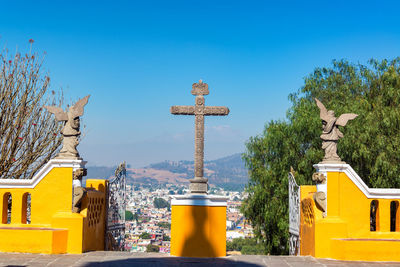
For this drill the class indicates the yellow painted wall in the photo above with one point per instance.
(54, 228)
(307, 217)
(345, 232)
(351, 205)
(94, 212)
(52, 194)
(41, 240)
(198, 231)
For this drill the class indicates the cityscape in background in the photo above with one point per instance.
(148, 198)
(148, 216)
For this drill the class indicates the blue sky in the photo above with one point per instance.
(137, 58)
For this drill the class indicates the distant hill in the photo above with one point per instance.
(100, 172)
(228, 172)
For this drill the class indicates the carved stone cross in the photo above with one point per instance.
(199, 183)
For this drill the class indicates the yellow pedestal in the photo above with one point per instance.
(198, 226)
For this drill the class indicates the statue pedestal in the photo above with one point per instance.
(53, 227)
(198, 226)
(197, 187)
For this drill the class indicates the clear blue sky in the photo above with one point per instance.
(137, 58)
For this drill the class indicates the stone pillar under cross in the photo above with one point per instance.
(199, 110)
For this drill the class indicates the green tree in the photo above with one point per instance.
(247, 246)
(136, 217)
(160, 203)
(252, 250)
(152, 248)
(164, 225)
(145, 235)
(166, 238)
(128, 215)
(370, 145)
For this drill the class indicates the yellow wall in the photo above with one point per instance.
(346, 201)
(41, 240)
(54, 228)
(307, 217)
(52, 194)
(94, 211)
(345, 232)
(198, 231)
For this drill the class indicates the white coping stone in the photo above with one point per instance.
(198, 200)
(385, 193)
(53, 163)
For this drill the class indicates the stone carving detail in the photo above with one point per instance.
(320, 196)
(199, 183)
(330, 132)
(78, 191)
(71, 130)
(319, 178)
(320, 201)
(79, 173)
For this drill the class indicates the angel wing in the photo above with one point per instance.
(323, 112)
(58, 112)
(344, 118)
(78, 107)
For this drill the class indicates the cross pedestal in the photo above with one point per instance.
(199, 110)
(198, 220)
(198, 225)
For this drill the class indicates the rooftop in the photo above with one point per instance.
(112, 258)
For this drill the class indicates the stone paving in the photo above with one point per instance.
(110, 258)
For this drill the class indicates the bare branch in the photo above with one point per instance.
(29, 137)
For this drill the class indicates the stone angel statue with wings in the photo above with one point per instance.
(71, 130)
(330, 131)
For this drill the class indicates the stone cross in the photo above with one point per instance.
(199, 183)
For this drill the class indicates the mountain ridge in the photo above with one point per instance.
(223, 172)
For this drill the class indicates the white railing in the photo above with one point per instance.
(380, 193)
(31, 183)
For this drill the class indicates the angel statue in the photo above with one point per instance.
(330, 131)
(71, 130)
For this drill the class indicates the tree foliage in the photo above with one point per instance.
(145, 235)
(129, 215)
(160, 203)
(370, 143)
(152, 248)
(165, 225)
(247, 246)
(136, 217)
(28, 133)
